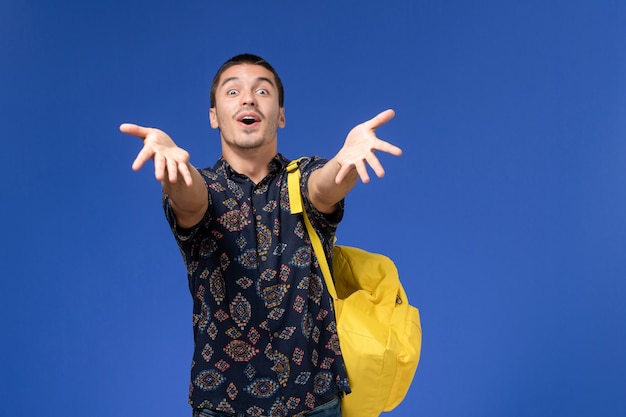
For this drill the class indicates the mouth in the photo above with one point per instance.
(248, 119)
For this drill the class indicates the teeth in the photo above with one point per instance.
(248, 120)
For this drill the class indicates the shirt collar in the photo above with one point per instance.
(277, 164)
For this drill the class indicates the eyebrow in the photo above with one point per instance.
(258, 80)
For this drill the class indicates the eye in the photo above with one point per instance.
(262, 91)
(231, 92)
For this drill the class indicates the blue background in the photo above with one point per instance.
(505, 215)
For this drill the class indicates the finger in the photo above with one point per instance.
(183, 168)
(159, 167)
(342, 174)
(134, 130)
(172, 171)
(387, 147)
(380, 119)
(376, 166)
(144, 155)
(361, 169)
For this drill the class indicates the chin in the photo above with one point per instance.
(249, 143)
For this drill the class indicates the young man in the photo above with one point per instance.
(264, 325)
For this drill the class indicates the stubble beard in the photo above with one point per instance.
(247, 142)
(251, 140)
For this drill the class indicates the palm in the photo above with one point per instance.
(360, 146)
(169, 159)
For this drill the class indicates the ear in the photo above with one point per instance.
(213, 118)
(281, 118)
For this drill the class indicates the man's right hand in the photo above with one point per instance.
(170, 161)
(189, 200)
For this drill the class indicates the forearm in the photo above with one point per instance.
(324, 191)
(189, 202)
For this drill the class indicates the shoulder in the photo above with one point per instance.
(308, 164)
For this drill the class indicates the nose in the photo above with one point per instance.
(248, 99)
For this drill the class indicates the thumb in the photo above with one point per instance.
(381, 118)
(134, 130)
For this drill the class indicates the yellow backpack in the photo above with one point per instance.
(379, 332)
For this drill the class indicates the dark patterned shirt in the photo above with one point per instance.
(264, 325)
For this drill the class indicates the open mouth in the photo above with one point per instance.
(249, 119)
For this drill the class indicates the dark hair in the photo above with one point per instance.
(252, 60)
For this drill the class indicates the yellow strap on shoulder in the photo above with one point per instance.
(293, 184)
(295, 202)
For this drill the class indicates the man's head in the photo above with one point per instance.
(250, 60)
(247, 106)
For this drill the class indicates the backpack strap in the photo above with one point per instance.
(293, 184)
(295, 202)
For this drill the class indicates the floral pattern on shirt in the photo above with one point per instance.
(264, 326)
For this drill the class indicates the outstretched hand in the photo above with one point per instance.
(170, 161)
(358, 149)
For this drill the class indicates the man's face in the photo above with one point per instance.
(246, 107)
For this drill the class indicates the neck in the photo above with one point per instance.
(253, 163)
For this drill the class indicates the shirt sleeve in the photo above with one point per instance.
(324, 223)
(182, 234)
